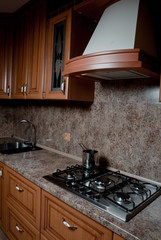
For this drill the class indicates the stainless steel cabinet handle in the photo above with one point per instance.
(1, 172)
(25, 89)
(63, 85)
(19, 189)
(8, 90)
(68, 225)
(22, 89)
(19, 229)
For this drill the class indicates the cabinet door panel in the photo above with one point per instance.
(59, 221)
(59, 37)
(36, 50)
(18, 228)
(44, 238)
(5, 57)
(29, 47)
(117, 237)
(20, 67)
(25, 196)
(2, 59)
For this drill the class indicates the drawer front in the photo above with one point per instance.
(44, 238)
(24, 196)
(117, 237)
(63, 222)
(18, 228)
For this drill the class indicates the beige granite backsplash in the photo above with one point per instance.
(123, 124)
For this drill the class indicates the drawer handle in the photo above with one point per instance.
(19, 189)
(1, 172)
(68, 225)
(19, 229)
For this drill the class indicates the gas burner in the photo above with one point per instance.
(123, 198)
(102, 182)
(70, 176)
(138, 188)
(100, 185)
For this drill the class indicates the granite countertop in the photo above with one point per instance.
(34, 165)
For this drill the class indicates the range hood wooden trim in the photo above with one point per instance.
(116, 60)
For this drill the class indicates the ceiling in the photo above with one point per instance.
(10, 6)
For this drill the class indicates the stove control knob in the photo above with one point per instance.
(88, 193)
(74, 185)
(96, 197)
(68, 183)
(81, 189)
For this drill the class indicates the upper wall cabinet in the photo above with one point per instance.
(5, 56)
(19, 55)
(67, 37)
(29, 47)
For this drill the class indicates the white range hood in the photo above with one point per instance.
(124, 25)
(122, 45)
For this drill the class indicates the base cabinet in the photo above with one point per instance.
(22, 207)
(22, 204)
(24, 196)
(43, 238)
(117, 237)
(60, 221)
(1, 196)
(17, 226)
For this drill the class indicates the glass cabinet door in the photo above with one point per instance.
(59, 34)
(58, 56)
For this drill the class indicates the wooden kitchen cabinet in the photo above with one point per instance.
(22, 207)
(19, 228)
(43, 238)
(24, 196)
(2, 167)
(5, 56)
(117, 237)
(19, 75)
(67, 37)
(23, 203)
(29, 47)
(60, 221)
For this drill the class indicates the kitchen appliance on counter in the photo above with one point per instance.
(119, 195)
(89, 157)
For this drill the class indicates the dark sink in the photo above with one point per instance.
(17, 147)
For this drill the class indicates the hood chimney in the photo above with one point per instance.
(126, 24)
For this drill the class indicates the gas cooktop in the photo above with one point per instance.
(117, 194)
